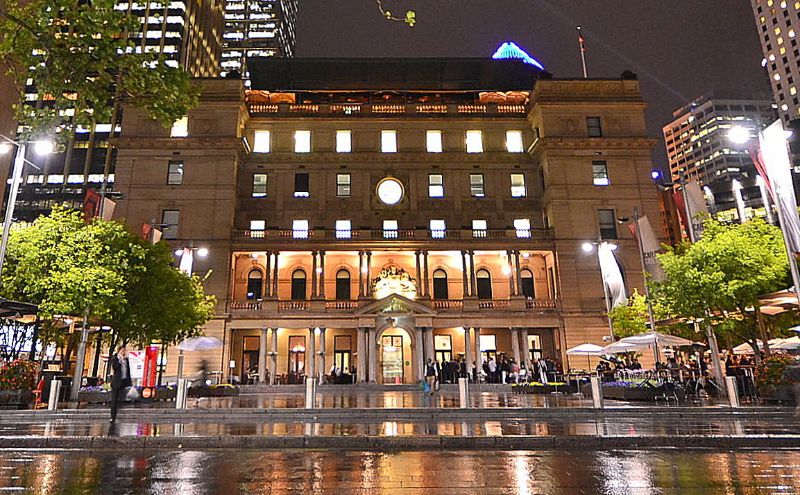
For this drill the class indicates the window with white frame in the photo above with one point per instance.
(476, 188)
(390, 229)
(170, 220)
(435, 186)
(180, 128)
(438, 228)
(259, 185)
(300, 229)
(258, 224)
(302, 141)
(518, 186)
(434, 141)
(344, 142)
(600, 173)
(474, 141)
(389, 141)
(514, 142)
(343, 185)
(523, 227)
(479, 228)
(174, 173)
(344, 229)
(262, 142)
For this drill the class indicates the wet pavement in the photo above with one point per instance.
(628, 472)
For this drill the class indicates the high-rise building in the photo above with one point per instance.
(699, 149)
(257, 28)
(778, 22)
(189, 33)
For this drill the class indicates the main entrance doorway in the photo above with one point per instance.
(392, 358)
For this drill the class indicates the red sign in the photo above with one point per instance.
(149, 372)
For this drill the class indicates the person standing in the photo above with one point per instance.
(430, 375)
(121, 378)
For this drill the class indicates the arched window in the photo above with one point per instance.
(298, 285)
(254, 284)
(342, 285)
(440, 284)
(484, 279)
(527, 284)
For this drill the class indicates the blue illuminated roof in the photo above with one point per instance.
(510, 50)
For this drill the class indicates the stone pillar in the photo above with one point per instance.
(361, 357)
(313, 274)
(473, 282)
(519, 273)
(478, 361)
(427, 285)
(360, 274)
(420, 285)
(468, 351)
(512, 287)
(322, 368)
(275, 277)
(268, 279)
(368, 276)
(322, 274)
(273, 362)
(464, 277)
(372, 345)
(419, 354)
(515, 345)
(311, 355)
(429, 344)
(262, 356)
(526, 352)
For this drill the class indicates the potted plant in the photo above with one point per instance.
(776, 378)
(17, 380)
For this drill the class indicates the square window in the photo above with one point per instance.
(343, 185)
(390, 229)
(175, 173)
(435, 186)
(474, 142)
(600, 173)
(301, 185)
(607, 224)
(343, 229)
(523, 227)
(170, 220)
(514, 142)
(344, 142)
(434, 140)
(262, 142)
(258, 224)
(389, 141)
(180, 128)
(259, 185)
(476, 185)
(300, 229)
(518, 186)
(479, 228)
(593, 127)
(302, 141)
(438, 229)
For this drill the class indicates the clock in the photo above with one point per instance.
(390, 191)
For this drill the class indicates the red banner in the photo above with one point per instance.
(150, 361)
(91, 205)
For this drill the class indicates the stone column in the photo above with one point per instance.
(420, 285)
(322, 368)
(322, 274)
(361, 357)
(313, 274)
(526, 352)
(275, 277)
(368, 276)
(372, 345)
(464, 276)
(473, 282)
(273, 362)
(468, 351)
(419, 354)
(519, 273)
(512, 287)
(478, 361)
(268, 280)
(429, 344)
(515, 345)
(262, 356)
(311, 355)
(427, 285)
(360, 274)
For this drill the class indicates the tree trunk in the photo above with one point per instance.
(762, 331)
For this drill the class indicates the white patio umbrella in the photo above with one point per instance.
(620, 347)
(196, 344)
(788, 344)
(588, 350)
(656, 340)
(746, 348)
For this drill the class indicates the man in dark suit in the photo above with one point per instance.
(121, 379)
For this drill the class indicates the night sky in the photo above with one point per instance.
(679, 49)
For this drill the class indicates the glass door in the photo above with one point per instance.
(392, 346)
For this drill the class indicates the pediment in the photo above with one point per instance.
(395, 304)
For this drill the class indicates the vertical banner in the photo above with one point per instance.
(612, 275)
(108, 209)
(775, 155)
(150, 361)
(91, 205)
(651, 247)
(698, 206)
(187, 260)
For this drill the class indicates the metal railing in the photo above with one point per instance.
(400, 234)
(365, 109)
(442, 305)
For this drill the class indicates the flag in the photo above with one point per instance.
(650, 248)
(150, 233)
(697, 206)
(187, 260)
(612, 275)
(108, 209)
(581, 41)
(775, 157)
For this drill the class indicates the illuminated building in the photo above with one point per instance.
(374, 213)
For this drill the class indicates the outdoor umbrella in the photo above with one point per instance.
(588, 350)
(620, 347)
(196, 344)
(656, 340)
(746, 348)
(788, 344)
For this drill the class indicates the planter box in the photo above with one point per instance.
(784, 394)
(15, 399)
(210, 391)
(94, 397)
(643, 393)
(545, 389)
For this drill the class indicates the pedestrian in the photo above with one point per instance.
(430, 375)
(121, 379)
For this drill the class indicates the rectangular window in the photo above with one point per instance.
(435, 186)
(438, 229)
(476, 185)
(479, 228)
(600, 173)
(389, 141)
(607, 223)
(300, 229)
(344, 142)
(262, 142)
(302, 141)
(390, 229)
(301, 185)
(434, 141)
(514, 142)
(523, 227)
(180, 128)
(343, 185)
(258, 224)
(259, 185)
(343, 229)
(593, 127)
(474, 142)
(175, 173)
(170, 220)
(518, 186)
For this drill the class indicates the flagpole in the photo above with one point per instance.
(582, 45)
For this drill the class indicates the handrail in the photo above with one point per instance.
(400, 234)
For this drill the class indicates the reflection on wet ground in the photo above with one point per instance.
(403, 473)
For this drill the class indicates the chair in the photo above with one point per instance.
(37, 393)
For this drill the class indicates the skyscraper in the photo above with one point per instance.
(257, 28)
(777, 22)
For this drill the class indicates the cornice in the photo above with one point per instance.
(403, 157)
(189, 143)
(585, 143)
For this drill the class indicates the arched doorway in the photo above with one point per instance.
(254, 284)
(395, 357)
(298, 285)
(484, 284)
(527, 284)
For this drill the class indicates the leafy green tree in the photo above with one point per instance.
(721, 276)
(82, 60)
(410, 17)
(633, 318)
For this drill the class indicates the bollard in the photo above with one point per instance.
(733, 391)
(463, 392)
(597, 392)
(55, 392)
(182, 393)
(311, 394)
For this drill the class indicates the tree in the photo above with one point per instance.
(410, 17)
(720, 277)
(633, 318)
(82, 60)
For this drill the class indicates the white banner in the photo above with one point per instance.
(775, 155)
(612, 276)
(651, 248)
(187, 260)
(698, 206)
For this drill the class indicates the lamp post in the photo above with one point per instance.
(187, 265)
(588, 247)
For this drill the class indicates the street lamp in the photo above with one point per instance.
(187, 263)
(588, 247)
(42, 147)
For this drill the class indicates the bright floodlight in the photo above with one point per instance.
(739, 135)
(43, 147)
(655, 174)
(587, 247)
(179, 252)
(4, 148)
(202, 252)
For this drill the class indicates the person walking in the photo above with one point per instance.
(121, 379)
(430, 376)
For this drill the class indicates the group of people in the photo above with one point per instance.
(502, 369)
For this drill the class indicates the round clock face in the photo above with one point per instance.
(390, 191)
